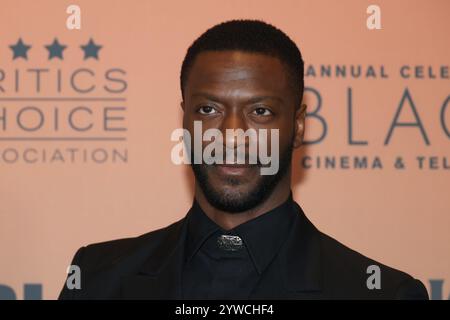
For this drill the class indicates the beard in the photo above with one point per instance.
(233, 200)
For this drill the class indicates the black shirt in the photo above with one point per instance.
(222, 264)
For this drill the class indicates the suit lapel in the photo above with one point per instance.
(160, 275)
(296, 271)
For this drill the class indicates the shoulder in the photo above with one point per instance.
(103, 264)
(352, 274)
(103, 254)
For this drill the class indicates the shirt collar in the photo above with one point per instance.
(263, 236)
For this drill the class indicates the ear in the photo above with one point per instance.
(300, 114)
(182, 105)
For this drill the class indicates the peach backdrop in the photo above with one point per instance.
(48, 210)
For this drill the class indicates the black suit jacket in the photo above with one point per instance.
(310, 265)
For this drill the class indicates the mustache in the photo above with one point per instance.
(231, 156)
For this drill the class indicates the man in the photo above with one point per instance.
(244, 237)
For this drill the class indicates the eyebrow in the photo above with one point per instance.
(250, 100)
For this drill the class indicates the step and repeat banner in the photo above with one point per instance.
(89, 97)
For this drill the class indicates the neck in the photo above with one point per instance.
(228, 221)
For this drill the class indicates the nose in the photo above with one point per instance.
(233, 120)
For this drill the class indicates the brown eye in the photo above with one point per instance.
(260, 111)
(207, 110)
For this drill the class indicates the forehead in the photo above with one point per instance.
(237, 72)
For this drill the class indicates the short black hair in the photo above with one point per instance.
(253, 36)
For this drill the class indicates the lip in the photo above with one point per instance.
(233, 169)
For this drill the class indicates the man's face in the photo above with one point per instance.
(239, 90)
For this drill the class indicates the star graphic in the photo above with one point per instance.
(91, 50)
(55, 50)
(20, 49)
